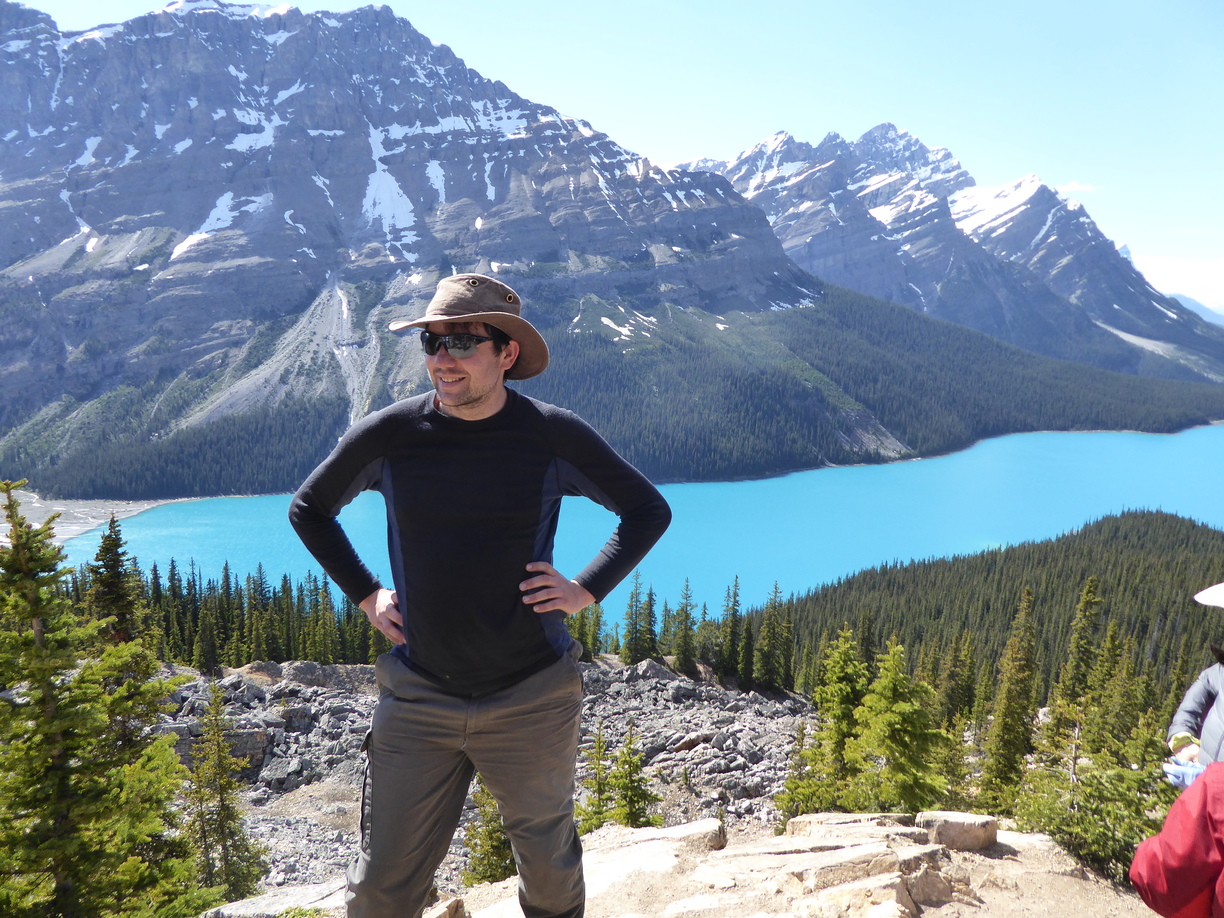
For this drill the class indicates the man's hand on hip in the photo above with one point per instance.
(548, 591)
(382, 609)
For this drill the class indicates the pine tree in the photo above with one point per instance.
(983, 699)
(667, 630)
(631, 793)
(896, 742)
(1109, 713)
(491, 857)
(727, 664)
(683, 630)
(578, 624)
(843, 684)
(594, 641)
(747, 682)
(952, 764)
(1068, 694)
(206, 655)
(87, 826)
(327, 632)
(650, 634)
(819, 776)
(788, 651)
(115, 589)
(801, 790)
(866, 631)
(165, 621)
(633, 643)
(1011, 732)
(1179, 681)
(956, 684)
(595, 809)
(767, 666)
(228, 859)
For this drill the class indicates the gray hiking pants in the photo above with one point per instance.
(422, 749)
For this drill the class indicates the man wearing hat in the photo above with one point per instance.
(482, 676)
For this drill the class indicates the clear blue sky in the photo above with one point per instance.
(1119, 104)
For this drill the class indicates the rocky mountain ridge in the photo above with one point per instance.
(892, 218)
(212, 211)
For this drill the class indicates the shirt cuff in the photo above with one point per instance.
(1179, 741)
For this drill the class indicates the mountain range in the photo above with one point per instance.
(211, 212)
(889, 217)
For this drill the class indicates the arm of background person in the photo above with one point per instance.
(1194, 706)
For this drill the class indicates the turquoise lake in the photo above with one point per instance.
(801, 530)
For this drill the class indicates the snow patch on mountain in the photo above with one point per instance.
(222, 217)
(979, 211)
(385, 202)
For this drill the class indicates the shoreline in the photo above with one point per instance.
(77, 517)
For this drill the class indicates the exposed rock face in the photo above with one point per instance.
(887, 216)
(223, 209)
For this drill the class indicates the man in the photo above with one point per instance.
(482, 675)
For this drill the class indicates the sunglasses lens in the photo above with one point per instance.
(461, 346)
(458, 346)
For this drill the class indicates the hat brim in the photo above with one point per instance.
(533, 351)
(1212, 596)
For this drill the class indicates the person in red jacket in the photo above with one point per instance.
(1180, 871)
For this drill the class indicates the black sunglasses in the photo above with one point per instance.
(458, 346)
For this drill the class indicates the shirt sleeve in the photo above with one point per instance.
(355, 465)
(590, 467)
(1194, 706)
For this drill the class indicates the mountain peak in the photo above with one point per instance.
(16, 17)
(231, 10)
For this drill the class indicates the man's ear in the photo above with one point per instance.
(509, 354)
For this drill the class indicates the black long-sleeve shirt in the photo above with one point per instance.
(469, 504)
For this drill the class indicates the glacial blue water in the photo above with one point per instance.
(800, 530)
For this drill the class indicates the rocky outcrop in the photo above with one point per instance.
(826, 866)
(715, 755)
(299, 728)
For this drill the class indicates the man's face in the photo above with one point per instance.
(474, 387)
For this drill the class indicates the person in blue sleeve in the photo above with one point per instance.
(1196, 733)
(482, 676)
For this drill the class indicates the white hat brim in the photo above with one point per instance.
(1212, 596)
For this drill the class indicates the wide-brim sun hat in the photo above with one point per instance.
(476, 298)
(1212, 596)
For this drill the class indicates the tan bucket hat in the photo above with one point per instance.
(476, 298)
